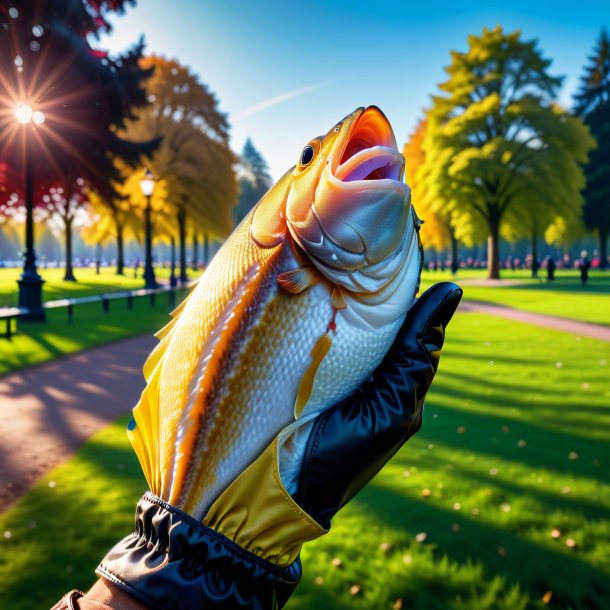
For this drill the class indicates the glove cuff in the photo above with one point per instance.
(172, 561)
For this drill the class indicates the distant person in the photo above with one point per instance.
(584, 265)
(550, 268)
(535, 266)
(136, 266)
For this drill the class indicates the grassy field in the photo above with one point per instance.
(88, 283)
(565, 297)
(36, 343)
(501, 501)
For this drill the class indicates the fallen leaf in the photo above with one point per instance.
(547, 597)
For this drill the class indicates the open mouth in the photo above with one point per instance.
(370, 153)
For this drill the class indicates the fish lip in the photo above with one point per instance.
(378, 133)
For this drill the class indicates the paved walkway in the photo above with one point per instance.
(582, 329)
(48, 411)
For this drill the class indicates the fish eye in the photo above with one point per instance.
(307, 155)
(337, 128)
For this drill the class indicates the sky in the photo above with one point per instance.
(288, 71)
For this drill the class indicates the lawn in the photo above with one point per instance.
(501, 501)
(565, 297)
(39, 343)
(89, 283)
(36, 342)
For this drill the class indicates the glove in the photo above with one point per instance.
(245, 553)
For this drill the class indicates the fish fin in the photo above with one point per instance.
(298, 280)
(165, 330)
(338, 298)
(137, 442)
(320, 349)
(146, 419)
(176, 312)
(157, 353)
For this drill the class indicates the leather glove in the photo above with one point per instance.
(245, 553)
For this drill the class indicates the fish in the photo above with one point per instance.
(293, 313)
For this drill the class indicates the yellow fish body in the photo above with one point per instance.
(296, 309)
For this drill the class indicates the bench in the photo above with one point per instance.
(8, 314)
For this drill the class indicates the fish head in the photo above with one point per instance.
(346, 206)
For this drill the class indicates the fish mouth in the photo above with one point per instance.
(370, 152)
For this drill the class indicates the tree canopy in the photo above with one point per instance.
(499, 150)
(193, 165)
(85, 95)
(592, 102)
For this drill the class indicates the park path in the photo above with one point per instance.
(567, 325)
(48, 411)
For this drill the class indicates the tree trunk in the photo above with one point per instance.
(206, 250)
(455, 262)
(69, 274)
(98, 258)
(603, 247)
(195, 262)
(182, 244)
(120, 249)
(493, 246)
(534, 252)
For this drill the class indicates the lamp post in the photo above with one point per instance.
(147, 184)
(30, 283)
(173, 280)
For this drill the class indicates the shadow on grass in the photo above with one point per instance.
(546, 448)
(535, 569)
(60, 533)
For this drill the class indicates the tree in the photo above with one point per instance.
(83, 94)
(63, 202)
(593, 104)
(436, 232)
(113, 218)
(193, 159)
(497, 147)
(254, 180)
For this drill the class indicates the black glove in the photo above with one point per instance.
(245, 554)
(350, 443)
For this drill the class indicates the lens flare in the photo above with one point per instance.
(24, 113)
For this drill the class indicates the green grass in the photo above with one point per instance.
(88, 283)
(565, 297)
(514, 444)
(38, 342)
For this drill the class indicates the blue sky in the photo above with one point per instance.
(287, 71)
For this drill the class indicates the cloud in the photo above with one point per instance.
(274, 101)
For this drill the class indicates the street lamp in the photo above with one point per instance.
(147, 184)
(30, 283)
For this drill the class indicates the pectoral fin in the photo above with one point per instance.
(298, 280)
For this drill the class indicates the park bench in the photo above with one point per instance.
(8, 314)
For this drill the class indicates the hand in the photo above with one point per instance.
(351, 442)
